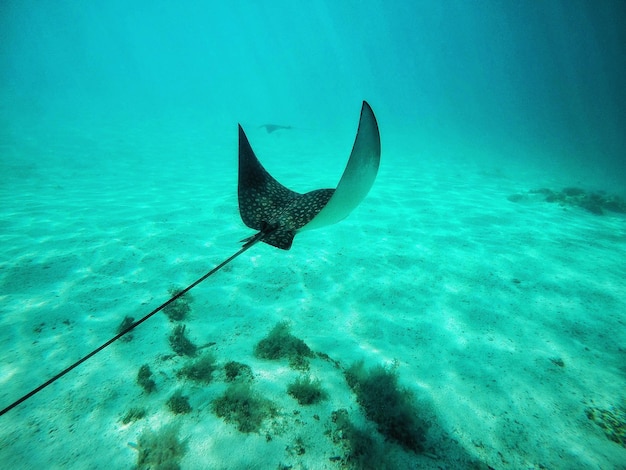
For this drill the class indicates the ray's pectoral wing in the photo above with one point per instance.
(261, 197)
(268, 206)
(359, 175)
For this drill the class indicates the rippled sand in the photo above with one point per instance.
(505, 319)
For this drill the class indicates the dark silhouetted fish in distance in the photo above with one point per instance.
(274, 127)
(278, 213)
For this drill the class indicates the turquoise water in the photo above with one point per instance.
(502, 314)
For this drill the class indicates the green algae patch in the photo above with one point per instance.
(123, 326)
(361, 450)
(179, 403)
(180, 308)
(237, 371)
(281, 344)
(612, 422)
(307, 391)
(199, 370)
(391, 407)
(160, 450)
(180, 343)
(144, 379)
(134, 414)
(241, 405)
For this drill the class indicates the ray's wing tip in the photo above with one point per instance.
(243, 138)
(367, 106)
(367, 113)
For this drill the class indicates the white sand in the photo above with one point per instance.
(474, 297)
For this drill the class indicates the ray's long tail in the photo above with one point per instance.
(249, 243)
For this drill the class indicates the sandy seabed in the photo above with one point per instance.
(506, 320)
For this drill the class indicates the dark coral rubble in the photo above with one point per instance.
(596, 202)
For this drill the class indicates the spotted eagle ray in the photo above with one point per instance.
(278, 213)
